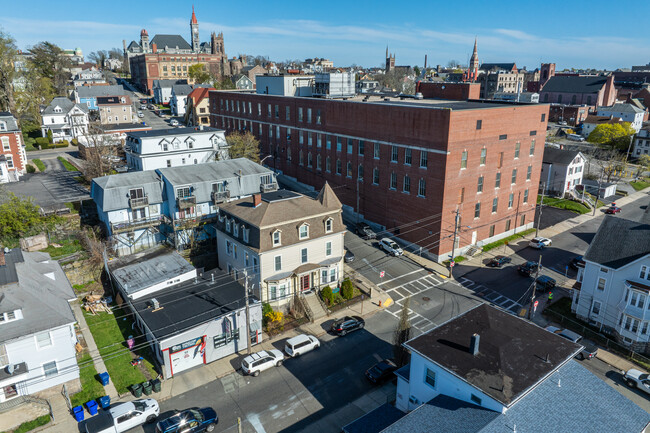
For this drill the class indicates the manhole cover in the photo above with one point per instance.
(426, 299)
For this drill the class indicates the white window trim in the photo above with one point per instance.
(279, 232)
(331, 224)
(300, 236)
(49, 334)
(56, 364)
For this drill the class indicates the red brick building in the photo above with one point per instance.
(12, 149)
(414, 162)
(449, 90)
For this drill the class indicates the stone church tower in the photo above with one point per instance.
(194, 29)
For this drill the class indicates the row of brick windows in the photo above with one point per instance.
(495, 202)
(307, 115)
(306, 137)
(497, 179)
(483, 158)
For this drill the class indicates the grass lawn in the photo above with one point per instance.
(561, 203)
(68, 246)
(493, 245)
(31, 425)
(39, 164)
(110, 332)
(91, 388)
(457, 259)
(641, 184)
(68, 166)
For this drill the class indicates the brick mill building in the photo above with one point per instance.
(410, 163)
(170, 56)
(13, 159)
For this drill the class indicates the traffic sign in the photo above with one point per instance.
(451, 264)
(381, 274)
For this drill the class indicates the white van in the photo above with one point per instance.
(303, 343)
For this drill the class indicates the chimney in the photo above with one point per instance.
(257, 200)
(154, 48)
(473, 344)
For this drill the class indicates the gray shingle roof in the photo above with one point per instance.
(621, 108)
(10, 121)
(619, 241)
(165, 132)
(171, 41)
(511, 356)
(167, 83)
(132, 45)
(95, 91)
(42, 293)
(110, 192)
(65, 104)
(181, 89)
(558, 156)
(497, 66)
(574, 84)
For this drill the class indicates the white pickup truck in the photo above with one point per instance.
(124, 416)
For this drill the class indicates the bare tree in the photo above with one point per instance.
(90, 238)
(100, 152)
(401, 335)
(610, 161)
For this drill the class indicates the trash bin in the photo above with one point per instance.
(105, 401)
(156, 385)
(78, 412)
(92, 407)
(104, 378)
(147, 388)
(137, 390)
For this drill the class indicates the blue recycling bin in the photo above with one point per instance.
(104, 378)
(104, 401)
(78, 412)
(92, 407)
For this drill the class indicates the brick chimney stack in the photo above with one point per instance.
(154, 48)
(257, 200)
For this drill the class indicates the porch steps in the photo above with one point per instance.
(315, 306)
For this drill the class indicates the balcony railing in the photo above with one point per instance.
(138, 224)
(268, 187)
(186, 202)
(220, 196)
(137, 203)
(192, 221)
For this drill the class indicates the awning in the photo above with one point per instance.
(307, 267)
(331, 261)
(637, 286)
(279, 277)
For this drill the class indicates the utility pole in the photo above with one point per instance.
(600, 179)
(532, 298)
(541, 205)
(248, 314)
(357, 202)
(453, 247)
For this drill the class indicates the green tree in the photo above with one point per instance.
(327, 295)
(222, 83)
(347, 289)
(401, 335)
(8, 52)
(49, 62)
(243, 145)
(416, 70)
(18, 215)
(617, 135)
(198, 73)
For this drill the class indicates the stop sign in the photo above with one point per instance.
(381, 274)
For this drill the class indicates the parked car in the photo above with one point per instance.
(381, 371)
(390, 246)
(349, 256)
(612, 210)
(301, 344)
(347, 324)
(638, 379)
(498, 261)
(173, 122)
(152, 107)
(540, 242)
(140, 115)
(189, 421)
(365, 231)
(528, 268)
(143, 107)
(544, 282)
(124, 416)
(260, 361)
(589, 349)
(575, 262)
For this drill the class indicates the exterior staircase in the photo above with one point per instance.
(314, 306)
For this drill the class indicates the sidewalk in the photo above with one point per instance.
(199, 376)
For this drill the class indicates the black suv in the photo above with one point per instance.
(528, 269)
(347, 324)
(365, 231)
(381, 371)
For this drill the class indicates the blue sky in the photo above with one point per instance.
(596, 34)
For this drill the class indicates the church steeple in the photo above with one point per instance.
(472, 70)
(194, 29)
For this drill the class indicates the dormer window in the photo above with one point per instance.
(3, 126)
(303, 231)
(58, 110)
(190, 143)
(10, 316)
(329, 223)
(245, 233)
(227, 225)
(235, 230)
(277, 241)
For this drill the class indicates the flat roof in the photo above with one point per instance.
(513, 354)
(189, 304)
(173, 131)
(148, 269)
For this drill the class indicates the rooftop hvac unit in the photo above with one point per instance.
(155, 303)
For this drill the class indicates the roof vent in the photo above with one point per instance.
(473, 344)
(547, 359)
(10, 369)
(155, 304)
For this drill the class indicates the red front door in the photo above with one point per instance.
(304, 282)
